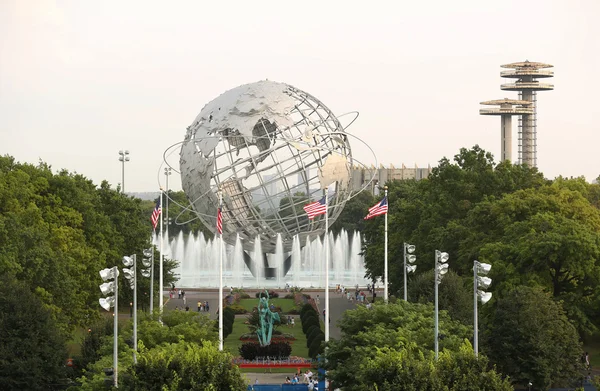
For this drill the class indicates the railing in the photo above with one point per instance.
(515, 111)
(527, 73)
(526, 86)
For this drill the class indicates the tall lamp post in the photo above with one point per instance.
(441, 268)
(409, 249)
(131, 275)
(148, 262)
(167, 173)
(484, 283)
(123, 157)
(112, 301)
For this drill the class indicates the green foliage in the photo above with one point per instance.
(311, 333)
(32, 347)
(182, 218)
(92, 342)
(411, 370)
(276, 350)
(309, 321)
(57, 230)
(454, 295)
(352, 217)
(177, 326)
(307, 308)
(184, 366)
(529, 337)
(398, 326)
(316, 346)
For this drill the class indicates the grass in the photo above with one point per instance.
(285, 304)
(232, 342)
(592, 346)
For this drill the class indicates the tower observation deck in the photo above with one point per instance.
(506, 110)
(527, 85)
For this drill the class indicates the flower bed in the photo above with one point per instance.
(291, 362)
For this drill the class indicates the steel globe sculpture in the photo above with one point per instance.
(270, 149)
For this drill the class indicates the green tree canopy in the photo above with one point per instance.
(398, 326)
(185, 366)
(529, 338)
(32, 347)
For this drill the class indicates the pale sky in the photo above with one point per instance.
(80, 80)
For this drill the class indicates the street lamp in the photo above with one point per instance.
(409, 249)
(123, 157)
(131, 276)
(484, 283)
(112, 301)
(148, 262)
(441, 268)
(167, 173)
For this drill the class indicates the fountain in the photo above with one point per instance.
(199, 261)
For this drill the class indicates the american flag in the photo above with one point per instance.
(156, 214)
(219, 221)
(316, 208)
(380, 208)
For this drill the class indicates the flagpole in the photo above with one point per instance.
(220, 277)
(160, 274)
(326, 264)
(385, 271)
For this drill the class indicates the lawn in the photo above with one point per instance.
(285, 304)
(232, 342)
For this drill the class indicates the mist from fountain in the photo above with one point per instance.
(199, 262)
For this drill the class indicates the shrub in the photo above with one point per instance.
(308, 314)
(316, 346)
(275, 350)
(310, 337)
(306, 307)
(310, 321)
(289, 296)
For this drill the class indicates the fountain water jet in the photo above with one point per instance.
(198, 259)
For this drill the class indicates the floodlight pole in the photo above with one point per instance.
(475, 325)
(436, 275)
(152, 282)
(327, 264)
(160, 276)
(116, 329)
(134, 308)
(220, 277)
(405, 290)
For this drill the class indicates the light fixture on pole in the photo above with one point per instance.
(131, 276)
(112, 301)
(484, 283)
(441, 268)
(409, 257)
(148, 262)
(123, 157)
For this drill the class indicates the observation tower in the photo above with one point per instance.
(508, 108)
(527, 85)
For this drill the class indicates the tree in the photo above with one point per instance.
(399, 326)
(411, 370)
(453, 295)
(529, 338)
(32, 347)
(352, 216)
(547, 237)
(185, 366)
